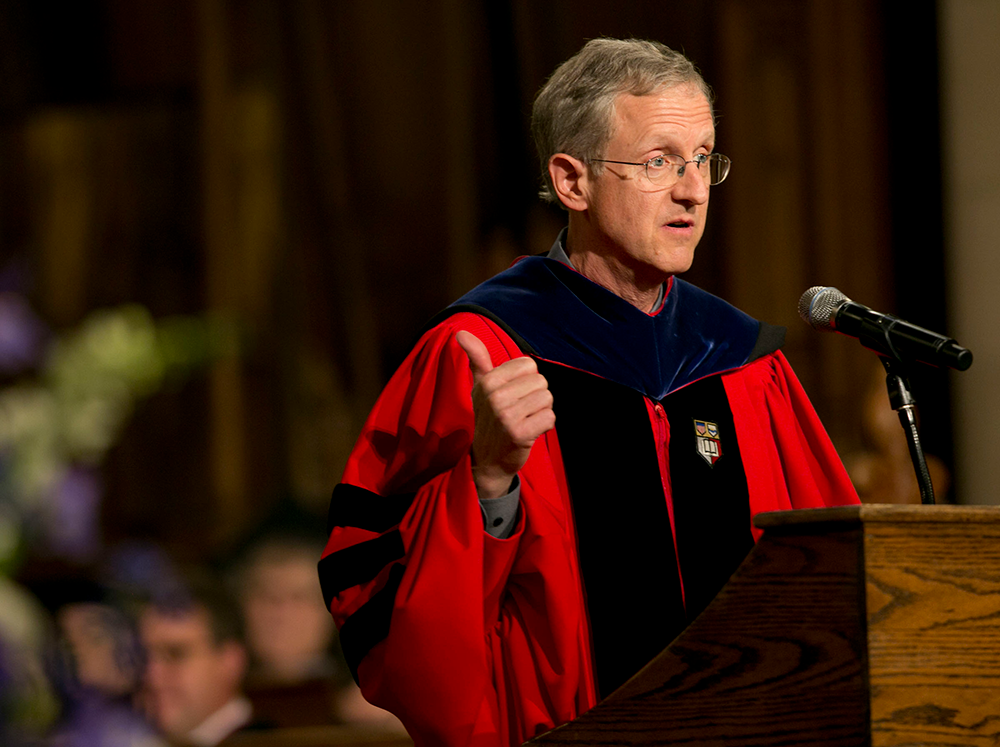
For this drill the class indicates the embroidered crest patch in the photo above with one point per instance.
(707, 441)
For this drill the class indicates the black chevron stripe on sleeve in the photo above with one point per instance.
(358, 564)
(355, 507)
(370, 624)
(351, 506)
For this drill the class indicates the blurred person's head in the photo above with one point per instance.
(196, 658)
(94, 662)
(103, 647)
(289, 630)
(96, 648)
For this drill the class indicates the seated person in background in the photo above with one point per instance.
(563, 472)
(104, 656)
(297, 677)
(196, 663)
(288, 630)
(95, 667)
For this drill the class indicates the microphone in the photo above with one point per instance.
(829, 310)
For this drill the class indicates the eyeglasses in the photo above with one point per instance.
(665, 170)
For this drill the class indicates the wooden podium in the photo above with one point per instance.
(872, 625)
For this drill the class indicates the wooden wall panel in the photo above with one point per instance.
(335, 173)
(806, 204)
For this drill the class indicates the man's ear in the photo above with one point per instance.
(570, 178)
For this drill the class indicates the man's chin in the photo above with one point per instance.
(174, 725)
(677, 262)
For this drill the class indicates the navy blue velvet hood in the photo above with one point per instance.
(557, 314)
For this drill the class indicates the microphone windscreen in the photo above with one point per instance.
(818, 306)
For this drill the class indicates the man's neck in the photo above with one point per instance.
(603, 268)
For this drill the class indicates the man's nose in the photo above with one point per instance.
(153, 673)
(691, 186)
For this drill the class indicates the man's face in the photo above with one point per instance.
(653, 230)
(288, 625)
(101, 645)
(188, 675)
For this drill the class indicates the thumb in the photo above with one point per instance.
(479, 357)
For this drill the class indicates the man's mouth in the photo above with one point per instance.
(680, 223)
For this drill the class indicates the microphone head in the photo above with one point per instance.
(818, 307)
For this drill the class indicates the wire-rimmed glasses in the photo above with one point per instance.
(664, 170)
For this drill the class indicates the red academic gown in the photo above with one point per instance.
(473, 640)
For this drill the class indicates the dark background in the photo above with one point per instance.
(331, 174)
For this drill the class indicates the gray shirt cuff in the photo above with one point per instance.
(500, 514)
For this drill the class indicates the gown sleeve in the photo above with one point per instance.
(789, 458)
(442, 624)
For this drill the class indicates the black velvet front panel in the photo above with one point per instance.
(623, 528)
(711, 502)
(626, 547)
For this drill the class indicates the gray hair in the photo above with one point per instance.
(574, 111)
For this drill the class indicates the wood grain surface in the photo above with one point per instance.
(777, 658)
(871, 625)
(933, 597)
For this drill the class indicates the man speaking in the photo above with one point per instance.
(563, 472)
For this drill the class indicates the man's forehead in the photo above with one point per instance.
(681, 106)
(686, 98)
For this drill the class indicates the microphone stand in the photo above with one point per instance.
(905, 406)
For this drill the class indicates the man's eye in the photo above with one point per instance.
(658, 163)
(175, 654)
(701, 158)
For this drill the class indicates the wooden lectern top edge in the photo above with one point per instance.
(880, 513)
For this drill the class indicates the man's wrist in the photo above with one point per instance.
(492, 482)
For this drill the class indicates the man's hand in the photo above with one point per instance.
(513, 407)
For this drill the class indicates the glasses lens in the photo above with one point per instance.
(718, 168)
(663, 170)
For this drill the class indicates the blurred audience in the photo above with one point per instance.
(289, 631)
(103, 646)
(297, 675)
(196, 664)
(136, 653)
(95, 667)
